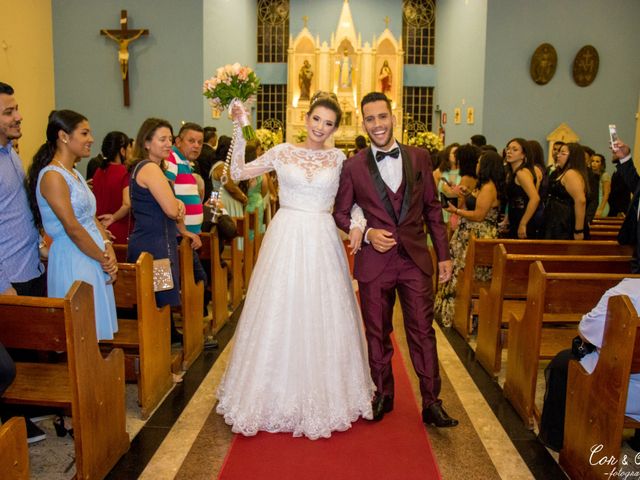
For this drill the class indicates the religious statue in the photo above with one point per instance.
(304, 80)
(123, 52)
(385, 77)
(345, 70)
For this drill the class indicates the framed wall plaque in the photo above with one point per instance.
(543, 64)
(585, 66)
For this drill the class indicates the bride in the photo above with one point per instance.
(299, 361)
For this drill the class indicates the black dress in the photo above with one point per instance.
(155, 233)
(516, 206)
(559, 211)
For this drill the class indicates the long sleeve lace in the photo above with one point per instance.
(241, 170)
(357, 218)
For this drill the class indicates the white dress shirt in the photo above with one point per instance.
(391, 172)
(390, 168)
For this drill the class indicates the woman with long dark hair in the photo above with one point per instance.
(111, 186)
(478, 217)
(542, 184)
(63, 204)
(522, 194)
(565, 210)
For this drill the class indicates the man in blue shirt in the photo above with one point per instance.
(21, 272)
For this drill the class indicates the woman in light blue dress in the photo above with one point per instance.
(65, 207)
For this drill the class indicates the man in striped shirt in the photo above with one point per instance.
(187, 148)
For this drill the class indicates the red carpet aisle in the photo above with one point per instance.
(397, 448)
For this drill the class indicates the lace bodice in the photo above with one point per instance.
(308, 179)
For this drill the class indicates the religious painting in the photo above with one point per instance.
(386, 78)
(470, 115)
(457, 115)
(543, 64)
(585, 66)
(304, 80)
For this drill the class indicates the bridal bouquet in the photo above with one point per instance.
(230, 85)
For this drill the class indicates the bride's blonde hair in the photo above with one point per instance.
(327, 100)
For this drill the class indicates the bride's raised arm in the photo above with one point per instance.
(241, 170)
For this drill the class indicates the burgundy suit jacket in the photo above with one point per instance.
(361, 183)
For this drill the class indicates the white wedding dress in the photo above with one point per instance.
(299, 360)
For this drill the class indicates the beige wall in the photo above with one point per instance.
(26, 63)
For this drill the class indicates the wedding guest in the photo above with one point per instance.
(565, 209)
(593, 182)
(111, 186)
(478, 217)
(22, 272)
(66, 208)
(478, 140)
(599, 167)
(630, 230)
(554, 155)
(620, 195)
(207, 158)
(542, 184)
(522, 194)
(155, 207)
(591, 331)
(447, 176)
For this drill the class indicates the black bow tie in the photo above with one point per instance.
(395, 153)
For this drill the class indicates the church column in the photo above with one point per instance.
(367, 77)
(324, 68)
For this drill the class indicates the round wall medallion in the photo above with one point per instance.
(585, 66)
(543, 64)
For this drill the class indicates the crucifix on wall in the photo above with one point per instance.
(123, 37)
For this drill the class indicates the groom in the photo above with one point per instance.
(393, 184)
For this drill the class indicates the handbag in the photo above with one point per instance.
(162, 275)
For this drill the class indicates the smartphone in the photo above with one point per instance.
(445, 201)
(613, 137)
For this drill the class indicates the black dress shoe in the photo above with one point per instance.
(381, 404)
(435, 414)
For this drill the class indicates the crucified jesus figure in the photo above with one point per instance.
(123, 52)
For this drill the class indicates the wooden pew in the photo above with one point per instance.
(217, 277)
(595, 413)
(508, 291)
(603, 235)
(192, 320)
(605, 227)
(552, 296)
(480, 253)
(90, 385)
(147, 340)
(605, 220)
(191, 306)
(14, 451)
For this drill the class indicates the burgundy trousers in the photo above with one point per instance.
(377, 299)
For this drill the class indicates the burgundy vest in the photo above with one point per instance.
(396, 197)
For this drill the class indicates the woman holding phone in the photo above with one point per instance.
(478, 217)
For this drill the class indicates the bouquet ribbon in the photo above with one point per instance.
(247, 129)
